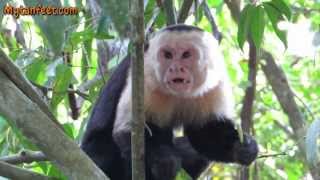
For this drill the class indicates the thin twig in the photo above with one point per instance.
(305, 105)
(272, 155)
(45, 89)
(212, 22)
(24, 157)
(184, 11)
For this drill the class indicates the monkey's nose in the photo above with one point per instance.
(177, 69)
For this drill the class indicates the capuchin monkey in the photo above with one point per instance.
(185, 85)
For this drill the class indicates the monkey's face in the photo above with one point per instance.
(185, 64)
(180, 67)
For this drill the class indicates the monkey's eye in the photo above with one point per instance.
(167, 54)
(186, 54)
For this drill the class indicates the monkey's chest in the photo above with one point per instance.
(168, 110)
(175, 113)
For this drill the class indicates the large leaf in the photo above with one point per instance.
(244, 23)
(312, 148)
(282, 7)
(61, 84)
(275, 17)
(36, 71)
(257, 25)
(52, 27)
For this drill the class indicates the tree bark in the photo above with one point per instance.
(248, 100)
(24, 157)
(280, 86)
(15, 75)
(16, 107)
(137, 65)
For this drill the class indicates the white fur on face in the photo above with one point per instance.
(209, 55)
(213, 96)
(216, 80)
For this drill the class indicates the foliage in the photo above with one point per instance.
(252, 21)
(265, 22)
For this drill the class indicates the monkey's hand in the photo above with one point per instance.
(246, 152)
(164, 163)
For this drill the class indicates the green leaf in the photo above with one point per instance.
(312, 149)
(215, 3)
(61, 84)
(160, 20)
(36, 71)
(275, 17)
(55, 172)
(149, 10)
(69, 129)
(78, 37)
(199, 14)
(282, 7)
(183, 175)
(244, 22)
(257, 25)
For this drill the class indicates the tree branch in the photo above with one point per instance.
(24, 157)
(247, 108)
(234, 7)
(15, 75)
(271, 155)
(184, 11)
(46, 89)
(17, 173)
(212, 22)
(248, 100)
(137, 71)
(16, 107)
(285, 96)
(170, 12)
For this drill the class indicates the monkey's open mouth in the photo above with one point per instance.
(179, 84)
(180, 80)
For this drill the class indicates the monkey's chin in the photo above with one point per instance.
(180, 90)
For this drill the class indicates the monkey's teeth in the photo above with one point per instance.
(178, 80)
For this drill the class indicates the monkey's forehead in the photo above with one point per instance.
(189, 34)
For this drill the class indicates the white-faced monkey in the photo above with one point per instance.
(186, 84)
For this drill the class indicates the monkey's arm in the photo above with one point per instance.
(192, 162)
(219, 141)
